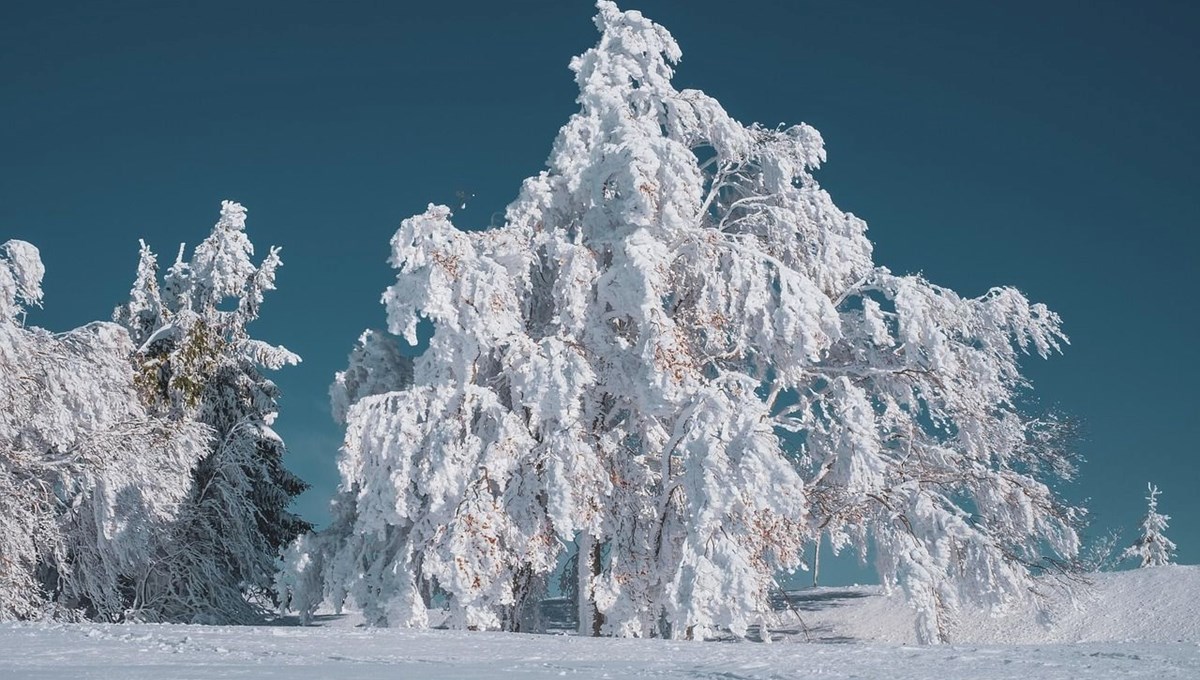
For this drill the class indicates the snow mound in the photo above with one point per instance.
(1154, 605)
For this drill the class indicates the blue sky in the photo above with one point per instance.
(1048, 145)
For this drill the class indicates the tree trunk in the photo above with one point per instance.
(587, 567)
(816, 563)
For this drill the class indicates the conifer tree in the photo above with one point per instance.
(197, 362)
(1152, 548)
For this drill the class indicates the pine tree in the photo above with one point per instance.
(1152, 548)
(197, 362)
(678, 356)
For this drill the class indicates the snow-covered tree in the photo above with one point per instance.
(677, 356)
(1152, 548)
(89, 481)
(196, 362)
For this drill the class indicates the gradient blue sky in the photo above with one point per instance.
(1048, 145)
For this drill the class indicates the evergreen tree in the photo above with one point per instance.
(197, 362)
(1152, 548)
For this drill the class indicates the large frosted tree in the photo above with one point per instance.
(90, 482)
(197, 362)
(677, 359)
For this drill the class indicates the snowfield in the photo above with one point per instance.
(1133, 624)
(205, 653)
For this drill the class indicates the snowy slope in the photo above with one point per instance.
(1161, 604)
(1133, 623)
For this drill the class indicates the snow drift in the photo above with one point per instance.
(1146, 605)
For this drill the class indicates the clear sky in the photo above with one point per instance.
(1050, 145)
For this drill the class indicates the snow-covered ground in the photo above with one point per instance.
(1136, 624)
(1157, 605)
